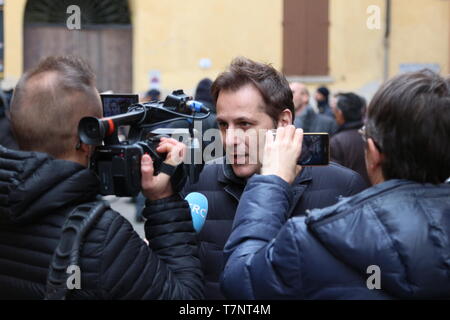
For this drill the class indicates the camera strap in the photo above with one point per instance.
(67, 253)
(177, 175)
(167, 169)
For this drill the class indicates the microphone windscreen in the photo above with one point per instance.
(199, 209)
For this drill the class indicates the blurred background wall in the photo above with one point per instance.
(137, 44)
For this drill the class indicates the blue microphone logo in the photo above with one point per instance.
(199, 209)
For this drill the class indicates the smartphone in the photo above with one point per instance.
(315, 149)
(115, 104)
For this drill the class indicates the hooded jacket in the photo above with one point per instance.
(398, 231)
(38, 192)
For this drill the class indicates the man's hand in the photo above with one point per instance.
(159, 187)
(281, 154)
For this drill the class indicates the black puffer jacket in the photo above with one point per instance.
(6, 136)
(36, 195)
(314, 187)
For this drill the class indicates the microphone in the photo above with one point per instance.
(199, 209)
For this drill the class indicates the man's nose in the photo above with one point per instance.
(233, 137)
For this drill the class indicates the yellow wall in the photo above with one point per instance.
(355, 51)
(13, 33)
(420, 33)
(172, 36)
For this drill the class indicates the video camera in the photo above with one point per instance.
(118, 163)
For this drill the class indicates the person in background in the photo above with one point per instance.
(305, 116)
(203, 95)
(322, 97)
(7, 138)
(347, 145)
(152, 95)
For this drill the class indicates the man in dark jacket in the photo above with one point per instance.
(305, 117)
(346, 145)
(40, 189)
(251, 98)
(389, 241)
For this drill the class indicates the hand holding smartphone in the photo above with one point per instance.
(315, 149)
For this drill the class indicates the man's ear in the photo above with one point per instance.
(84, 148)
(285, 118)
(374, 159)
(339, 115)
(373, 155)
(81, 153)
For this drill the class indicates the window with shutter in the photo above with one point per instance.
(305, 37)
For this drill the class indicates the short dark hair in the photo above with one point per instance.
(153, 94)
(49, 102)
(351, 105)
(271, 84)
(409, 118)
(203, 92)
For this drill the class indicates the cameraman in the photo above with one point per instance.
(389, 241)
(41, 185)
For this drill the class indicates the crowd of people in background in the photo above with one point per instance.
(340, 116)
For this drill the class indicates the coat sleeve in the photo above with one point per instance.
(167, 268)
(261, 252)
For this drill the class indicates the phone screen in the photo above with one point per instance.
(315, 150)
(114, 104)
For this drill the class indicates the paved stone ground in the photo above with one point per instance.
(127, 208)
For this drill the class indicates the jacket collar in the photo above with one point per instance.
(350, 126)
(235, 186)
(322, 215)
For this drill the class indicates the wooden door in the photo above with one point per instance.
(108, 49)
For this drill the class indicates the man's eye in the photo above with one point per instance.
(245, 124)
(222, 124)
